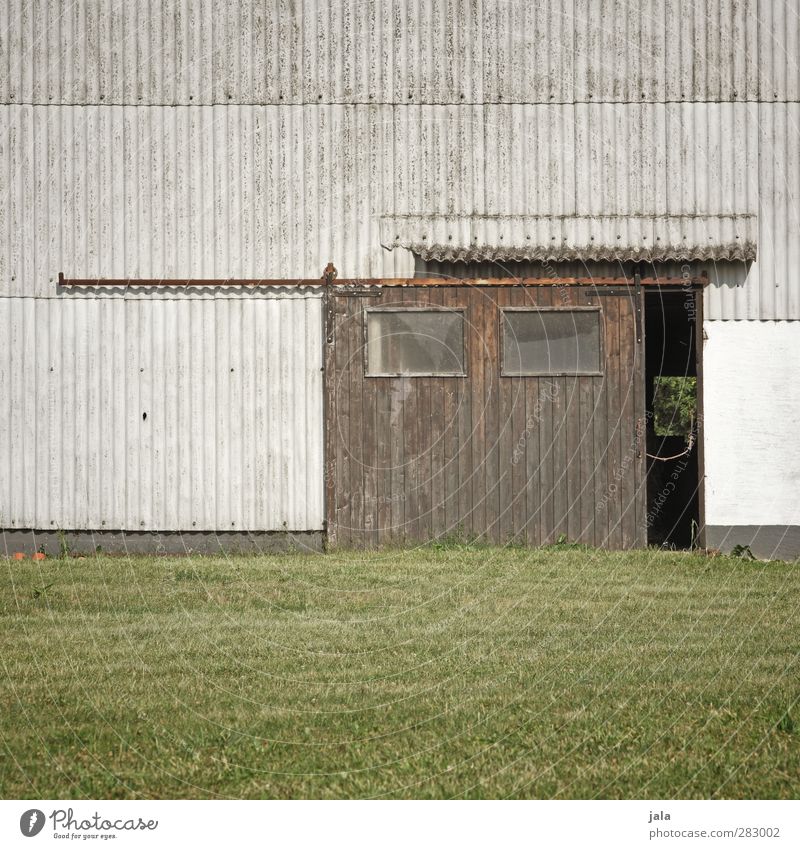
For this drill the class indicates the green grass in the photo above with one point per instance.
(448, 671)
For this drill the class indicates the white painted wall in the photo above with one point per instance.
(751, 384)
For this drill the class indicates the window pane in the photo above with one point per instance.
(415, 342)
(551, 342)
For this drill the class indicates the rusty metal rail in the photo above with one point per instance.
(647, 282)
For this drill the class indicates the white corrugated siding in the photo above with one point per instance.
(771, 287)
(231, 389)
(381, 51)
(213, 139)
(195, 191)
(247, 191)
(281, 188)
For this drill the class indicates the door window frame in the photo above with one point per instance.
(461, 311)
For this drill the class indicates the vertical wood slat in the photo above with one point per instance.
(531, 447)
(370, 459)
(587, 457)
(573, 435)
(518, 448)
(437, 461)
(359, 441)
(600, 437)
(491, 414)
(465, 401)
(548, 389)
(627, 470)
(395, 389)
(701, 462)
(533, 462)
(341, 394)
(505, 429)
(384, 437)
(573, 467)
(424, 436)
(411, 427)
(612, 379)
(559, 456)
(330, 420)
(479, 355)
(640, 519)
(454, 438)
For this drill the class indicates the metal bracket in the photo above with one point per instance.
(611, 291)
(357, 293)
(330, 274)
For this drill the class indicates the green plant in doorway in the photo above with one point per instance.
(675, 406)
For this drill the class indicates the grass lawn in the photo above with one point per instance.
(447, 672)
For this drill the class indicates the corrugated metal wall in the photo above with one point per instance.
(161, 414)
(247, 191)
(278, 191)
(200, 138)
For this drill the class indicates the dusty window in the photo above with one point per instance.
(555, 341)
(415, 342)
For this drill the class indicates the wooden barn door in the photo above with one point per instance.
(426, 441)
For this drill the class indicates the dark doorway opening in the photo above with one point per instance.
(673, 402)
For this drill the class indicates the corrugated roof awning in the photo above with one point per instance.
(638, 238)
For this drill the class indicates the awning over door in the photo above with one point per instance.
(638, 238)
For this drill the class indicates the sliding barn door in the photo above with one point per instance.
(502, 413)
